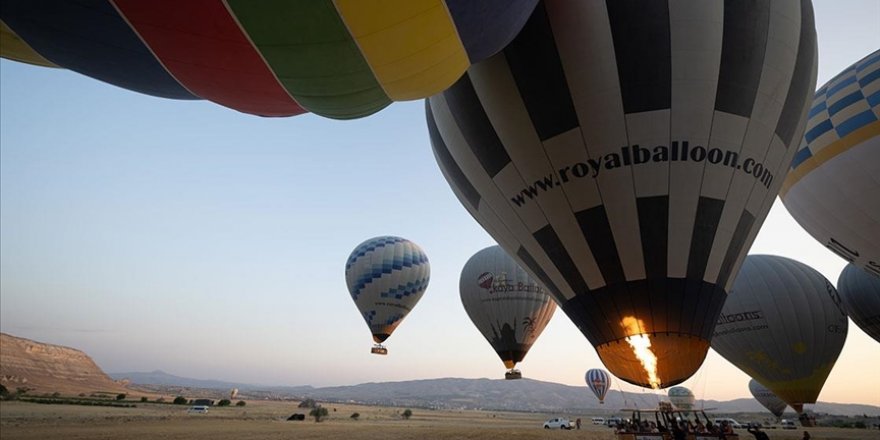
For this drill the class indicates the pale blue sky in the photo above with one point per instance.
(184, 236)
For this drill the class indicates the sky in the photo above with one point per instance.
(187, 237)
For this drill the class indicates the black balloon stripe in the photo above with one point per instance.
(705, 224)
(654, 229)
(597, 231)
(471, 118)
(555, 250)
(447, 162)
(535, 65)
(740, 234)
(802, 80)
(643, 49)
(744, 43)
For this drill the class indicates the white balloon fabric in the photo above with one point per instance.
(766, 398)
(860, 292)
(782, 324)
(509, 307)
(681, 397)
(833, 189)
(625, 153)
(386, 277)
(599, 381)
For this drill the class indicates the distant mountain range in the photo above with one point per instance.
(455, 393)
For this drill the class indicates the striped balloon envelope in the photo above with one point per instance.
(386, 277)
(625, 153)
(783, 325)
(508, 307)
(860, 293)
(833, 189)
(598, 381)
(681, 397)
(341, 59)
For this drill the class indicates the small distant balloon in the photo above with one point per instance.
(386, 277)
(766, 397)
(232, 393)
(599, 381)
(681, 397)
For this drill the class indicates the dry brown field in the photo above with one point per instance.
(266, 420)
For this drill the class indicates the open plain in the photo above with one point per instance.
(267, 420)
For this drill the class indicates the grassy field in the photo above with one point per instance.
(266, 420)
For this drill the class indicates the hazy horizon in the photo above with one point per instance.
(185, 237)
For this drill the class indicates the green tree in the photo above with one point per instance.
(407, 414)
(308, 403)
(224, 402)
(143, 398)
(180, 400)
(355, 416)
(319, 412)
(240, 403)
(120, 396)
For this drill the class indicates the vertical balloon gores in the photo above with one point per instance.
(784, 326)
(625, 153)
(509, 307)
(386, 277)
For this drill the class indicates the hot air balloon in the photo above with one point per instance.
(766, 397)
(341, 59)
(832, 188)
(598, 381)
(232, 393)
(782, 325)
(386, 277)
(507, 305)
(625, 153)
(681, 397)
(860, 293)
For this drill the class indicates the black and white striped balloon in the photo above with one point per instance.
(626, 152)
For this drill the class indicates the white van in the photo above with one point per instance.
(598, 420)
(733, 423)
(198, 409)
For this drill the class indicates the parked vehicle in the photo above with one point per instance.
(613, 421)
(787, 424)
(598, 420)
(733, 423)
(558, 423)
(198, 409)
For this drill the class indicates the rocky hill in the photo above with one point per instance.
(47, 368)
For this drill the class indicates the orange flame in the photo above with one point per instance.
(641, 345)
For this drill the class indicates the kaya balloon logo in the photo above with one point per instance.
(625, 153)
(508, 307)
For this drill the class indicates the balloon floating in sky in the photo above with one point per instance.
(833, 189)
(681, 397)
(860, 293)
(341, 59)
(766, 397)
(598, 381)
(782, 325)
(508, 306)
(625, 153)
(386, 277)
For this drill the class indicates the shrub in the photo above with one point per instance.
(308, 403)
(180, 400)
(82, 394)
(224, 402)
(860, 425)
(355, 416)
(240, 403)
(319, 412)
(144, 399)
(3, 391)
(56, 394)
(120, 396)
(407, 414)
(160, 400)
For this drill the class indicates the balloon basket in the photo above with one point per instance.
(379, 349)
(512, 375)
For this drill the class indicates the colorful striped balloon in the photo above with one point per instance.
(598, 381)
(337, 58)
(386, 277)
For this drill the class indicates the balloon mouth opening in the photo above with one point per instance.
(379, 338)
(654, 360)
